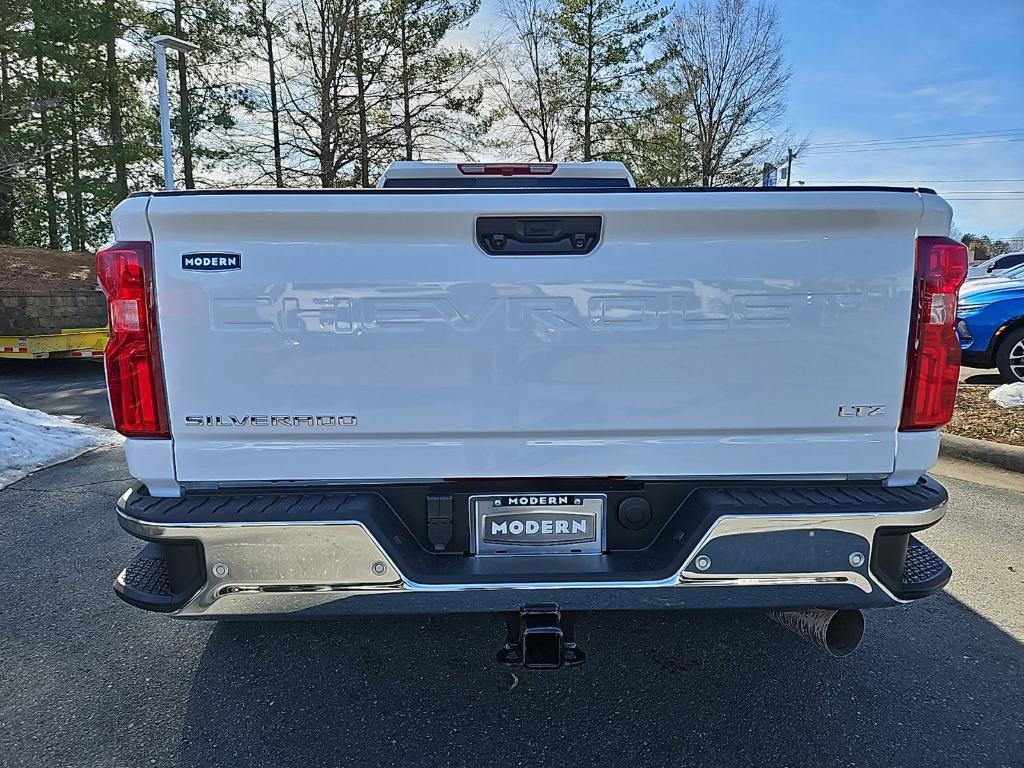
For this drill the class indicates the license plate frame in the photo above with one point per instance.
(533, 524)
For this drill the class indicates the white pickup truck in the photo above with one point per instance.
(532, 389)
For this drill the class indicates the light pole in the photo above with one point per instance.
(162, 43)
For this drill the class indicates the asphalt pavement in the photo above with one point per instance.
(86, 680)
(64, 387)
(89, 681)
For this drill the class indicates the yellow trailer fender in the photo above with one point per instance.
(70, 342)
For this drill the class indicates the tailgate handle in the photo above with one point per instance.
(538, 236)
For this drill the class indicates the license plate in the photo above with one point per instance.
(538, 523)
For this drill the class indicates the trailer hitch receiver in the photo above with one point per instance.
(540, 637)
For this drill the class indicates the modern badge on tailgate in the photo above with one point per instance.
(538, 523)
(211, 261)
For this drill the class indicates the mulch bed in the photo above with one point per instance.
(39, 269)
(978, 417)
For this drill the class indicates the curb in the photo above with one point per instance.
(1006, 457)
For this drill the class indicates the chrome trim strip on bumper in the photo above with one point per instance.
(341, 558)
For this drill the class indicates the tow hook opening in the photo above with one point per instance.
(540, 637)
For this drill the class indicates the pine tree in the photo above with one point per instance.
(601, 52)
(60, 168)
(207, 94)
(111, 30)
(316, 131)
(265, 21)
(14, 18)
(437, 102)
(657, 146)
(43, 53)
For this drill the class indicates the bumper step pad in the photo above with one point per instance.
(148, 575)
(924, 571)
(161, 577)
(145, 583)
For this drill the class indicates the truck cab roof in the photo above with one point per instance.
(412, 174)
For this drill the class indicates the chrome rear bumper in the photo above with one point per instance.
(749, 560)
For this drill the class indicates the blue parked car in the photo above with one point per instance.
(990, 324)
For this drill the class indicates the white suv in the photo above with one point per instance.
(996, 266)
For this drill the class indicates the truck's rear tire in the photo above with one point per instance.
(1010, 356)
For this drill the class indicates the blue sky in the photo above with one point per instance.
(895, 68)
(879, 69)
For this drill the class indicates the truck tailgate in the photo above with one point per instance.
(366, 335)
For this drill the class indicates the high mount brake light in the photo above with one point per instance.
(138, 401)
(933, 359)
(507, 169)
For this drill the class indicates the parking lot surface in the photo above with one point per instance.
(61, 387)
(89, 681)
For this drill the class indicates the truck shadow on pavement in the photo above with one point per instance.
(658, 689)
(983, 378)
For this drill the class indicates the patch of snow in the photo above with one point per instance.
(1008, 395)
(31, 440)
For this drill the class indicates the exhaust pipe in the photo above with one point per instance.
(838, 632)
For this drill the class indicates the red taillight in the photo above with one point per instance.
(134, 378)
(933, 361)
(507, 169)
